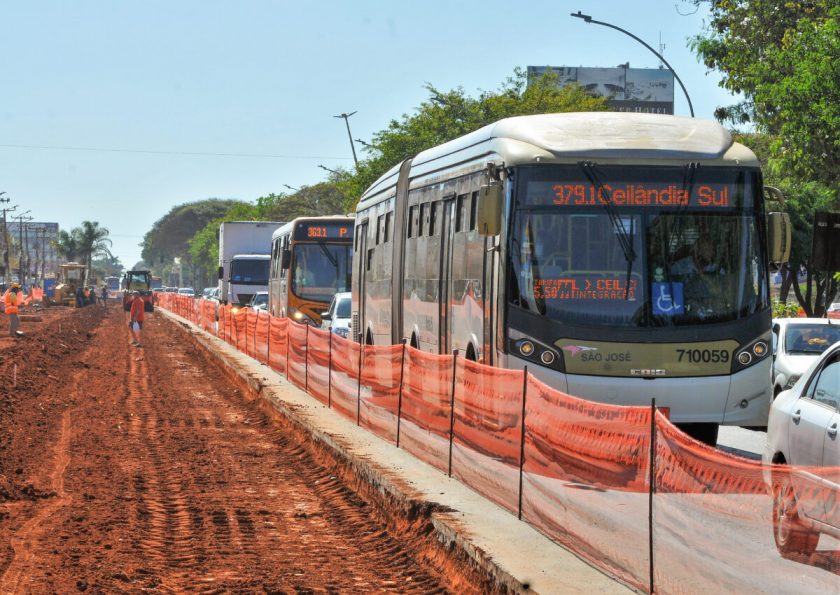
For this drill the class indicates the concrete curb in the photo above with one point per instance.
(514, 556)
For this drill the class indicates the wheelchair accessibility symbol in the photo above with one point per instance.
(667, 299)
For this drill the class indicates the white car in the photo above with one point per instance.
(797, 342)
(259, 301)
(337, 318)
(187, 291)
(802, 457)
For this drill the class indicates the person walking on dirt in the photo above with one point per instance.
(12, 300)
(104, 296)
(136, 315)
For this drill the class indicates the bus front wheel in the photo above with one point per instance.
(706, 433)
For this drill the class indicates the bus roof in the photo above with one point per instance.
(288, 227)
(571, 137)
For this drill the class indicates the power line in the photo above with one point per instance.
(152, 152)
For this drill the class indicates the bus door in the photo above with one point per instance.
(445, 290)
(360, 277)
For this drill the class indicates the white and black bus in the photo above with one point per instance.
(620, 256)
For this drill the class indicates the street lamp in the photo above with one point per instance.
(292, 188)
(350, 136)
(364, 144)
(589, 19)
(328, 169)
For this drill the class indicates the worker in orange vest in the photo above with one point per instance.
(11, 300)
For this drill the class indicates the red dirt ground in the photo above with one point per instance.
(128, 469)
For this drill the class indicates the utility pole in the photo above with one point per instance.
(40, 252)
(350, 136)
(21, 223)
(6, 237)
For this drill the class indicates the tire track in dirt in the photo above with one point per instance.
(25, 540)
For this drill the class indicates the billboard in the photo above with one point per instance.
(645, 90)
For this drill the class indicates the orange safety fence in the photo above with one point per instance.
(277, 343)
(296, 361)
(250, 332)
(318, 353)
(261, 337)
(380, 389)
(487, 430)
(623, 489)
(716, 518)
(344, 377)
(585, 478)
(426, 408)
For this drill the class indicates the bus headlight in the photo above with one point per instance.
(536, 352)
(751, 353)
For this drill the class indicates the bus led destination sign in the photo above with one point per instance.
(711, 196)
(589, 289)
(324, 231)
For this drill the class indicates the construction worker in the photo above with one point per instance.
(136, 315)
(12, 300)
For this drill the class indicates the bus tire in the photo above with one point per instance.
(471, 353)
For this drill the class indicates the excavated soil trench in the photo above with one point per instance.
(127, 469)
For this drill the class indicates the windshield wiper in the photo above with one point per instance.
(333, 260)
(624, 239)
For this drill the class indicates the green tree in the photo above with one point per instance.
(784, 58)
(92, 241)
(66, 246)
(446, 115)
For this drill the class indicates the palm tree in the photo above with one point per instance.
(66, 245)
(92, 241)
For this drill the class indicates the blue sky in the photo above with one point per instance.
(264, 78)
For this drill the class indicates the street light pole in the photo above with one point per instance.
(332, 171)
(589, 19)
(350, 136)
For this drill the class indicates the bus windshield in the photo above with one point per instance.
(249, 272)
(320, 270)
(667, 250)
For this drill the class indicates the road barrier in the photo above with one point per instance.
(620, 486)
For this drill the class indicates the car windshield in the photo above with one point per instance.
(321, 270)
(810, 339)
(260, 299)
(249, 272)
(633, 263)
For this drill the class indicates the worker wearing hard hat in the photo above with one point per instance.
(12, 299)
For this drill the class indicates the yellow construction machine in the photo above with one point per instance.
(71, 276)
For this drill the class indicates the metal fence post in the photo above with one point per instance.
(452, 408)
(522, 440)
(651, 487)
(329, 375)
(399, 394)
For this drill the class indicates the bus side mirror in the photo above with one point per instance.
(286, 259)
(489, 215)
(221, 272)
(778, 237)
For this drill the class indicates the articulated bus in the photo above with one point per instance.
(113, 284)
(619, 256)
(311, 261)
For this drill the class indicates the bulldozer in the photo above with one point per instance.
(71, 276)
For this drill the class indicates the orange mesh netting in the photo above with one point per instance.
(426, 407)
(261, 337)
(277, 343)
(317, 366)
(296, 360)
(344, 377)
(584, 478)
(250, 332)
(239, 328)
(487, 430)
(716, 518)
(379, 393)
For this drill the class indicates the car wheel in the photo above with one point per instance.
(793, 537)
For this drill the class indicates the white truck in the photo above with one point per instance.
(244, 257)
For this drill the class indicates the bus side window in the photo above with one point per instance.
(473, 210)
(460, 201)
(412, 225)
(433, 212)
(424, 208)
(389, 221)
(380, 229)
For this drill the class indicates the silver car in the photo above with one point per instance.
(337, 318)
(797, 342)
(802, 434)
